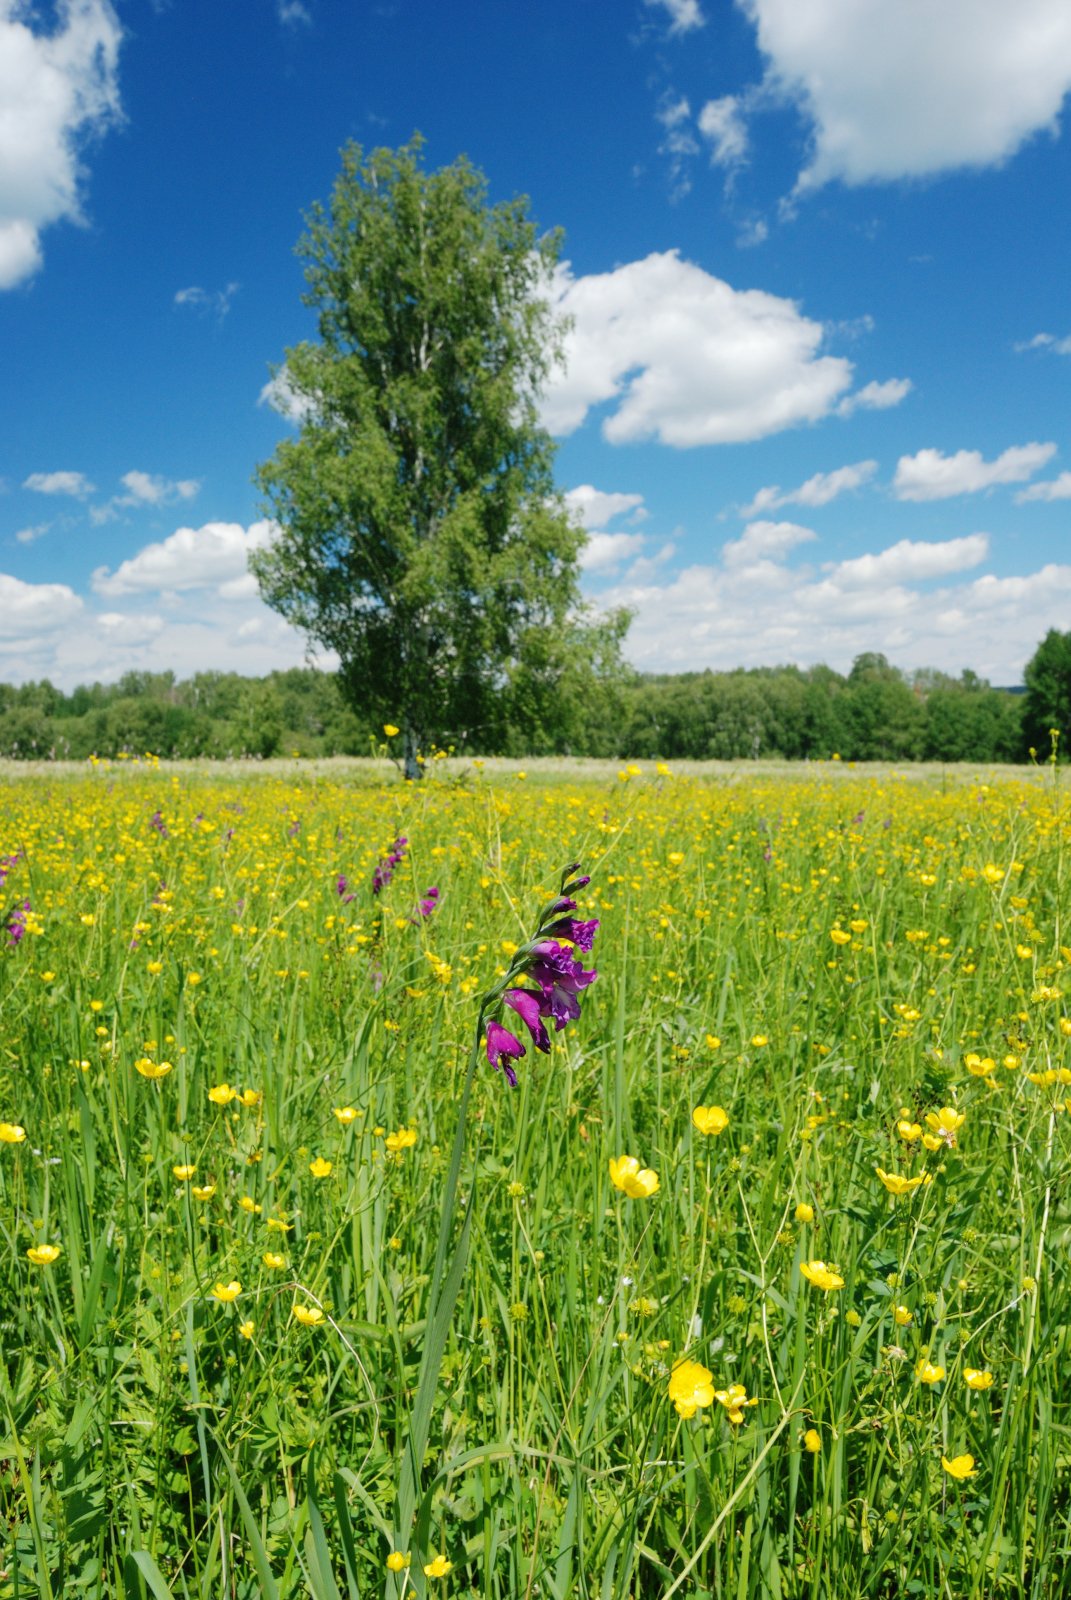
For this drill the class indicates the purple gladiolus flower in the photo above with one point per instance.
(501, 1047)
(157, 821)
(531, 1008)
(342, 886)
(16, 923)
(582, 934)
(385, 869)
(429, 903)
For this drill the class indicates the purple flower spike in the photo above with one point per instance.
(553, 965)
(582, 934)
(430, 902)
(501, 1046)
(531, 1009)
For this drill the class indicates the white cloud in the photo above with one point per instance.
(215, 301)
(29, 609)
(606, 551)
(145, 489)
(36, 530)
(818, 490)
(190, 558)
(876, 396)
(721, 122)
(930, 475)
(1057, 489)
(687, 359)
(591, 506)
(278, 394)
(1046, 341)
(684, 15)
(764, 541)
(916, 87)
(74, 483)
(57, 89)
(915, 601)
(292, 13)
(912, 561)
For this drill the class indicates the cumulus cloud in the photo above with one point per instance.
(190, 558)
(684, 358)
(930, 475)
(29, 609)
(145, 489)
(921, 602)
(606, 551)
(913, 89)
(1056, 489)
(721, 123)
(911, 561)
(876, 396)
(58, 89)
(591, 506)
(73, 483)
(764, 541)
(684, 15)
(818, 490)
(281, 397)
(36, 530)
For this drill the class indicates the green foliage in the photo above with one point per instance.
(1048, 693)
(422, 538)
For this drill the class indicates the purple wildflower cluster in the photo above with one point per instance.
(428, 904)
(14, 923)
(386, 868)
(157, 821)
(557, 975)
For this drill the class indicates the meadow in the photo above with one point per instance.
(298, 1297)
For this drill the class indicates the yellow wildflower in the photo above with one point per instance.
(310, 1316)
(440, 1566)
(897, 1184)
(320, 1168)
(226, 1292)
(11, 1133)
(804, 1212)
(184, 1173)
(626, 1174)
(812, 1441)
(404, 1139)
(959, 1466)
(977, 1378)
(221, 1094)
(43, 1255)
(690, 1386)
(821, 1276)
(710, 1119)
(928, 1372)
(346, 1114)
(152, 1069)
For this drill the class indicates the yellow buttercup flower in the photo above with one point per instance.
(733, 1401)
(397, 1561)
(928, 1372)
(246, 1328)
(804, 1212)
(909, 1131)
(221, 1094)
(710, 1119)
(821, 1276)
(626, 1174)
(184, 1173)
(897, 1184)
(11, 1133)
(943, 1126)
(404, 1139)
(690, 1386)
(152, 1069)
(203, 1191)
(840, 936)
(346, 1114)
(320, 1168)
(250, 1097)
(43, 1255)
(273, 1260)
(390, 730)
(901, 1316)
(438, 1568)
(812, 1441)
(226, 1292)
(959, 1466)
(310, 1316)
(977, 1378)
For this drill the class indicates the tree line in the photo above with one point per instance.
(874, 712)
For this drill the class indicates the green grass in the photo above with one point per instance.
(149, 1447)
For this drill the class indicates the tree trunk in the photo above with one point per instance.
(413, 770)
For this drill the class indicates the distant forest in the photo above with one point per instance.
(874, 713)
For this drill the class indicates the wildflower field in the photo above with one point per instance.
(755, 1284)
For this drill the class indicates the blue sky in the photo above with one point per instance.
(816, 399)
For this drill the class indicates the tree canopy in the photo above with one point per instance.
(421, 536)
